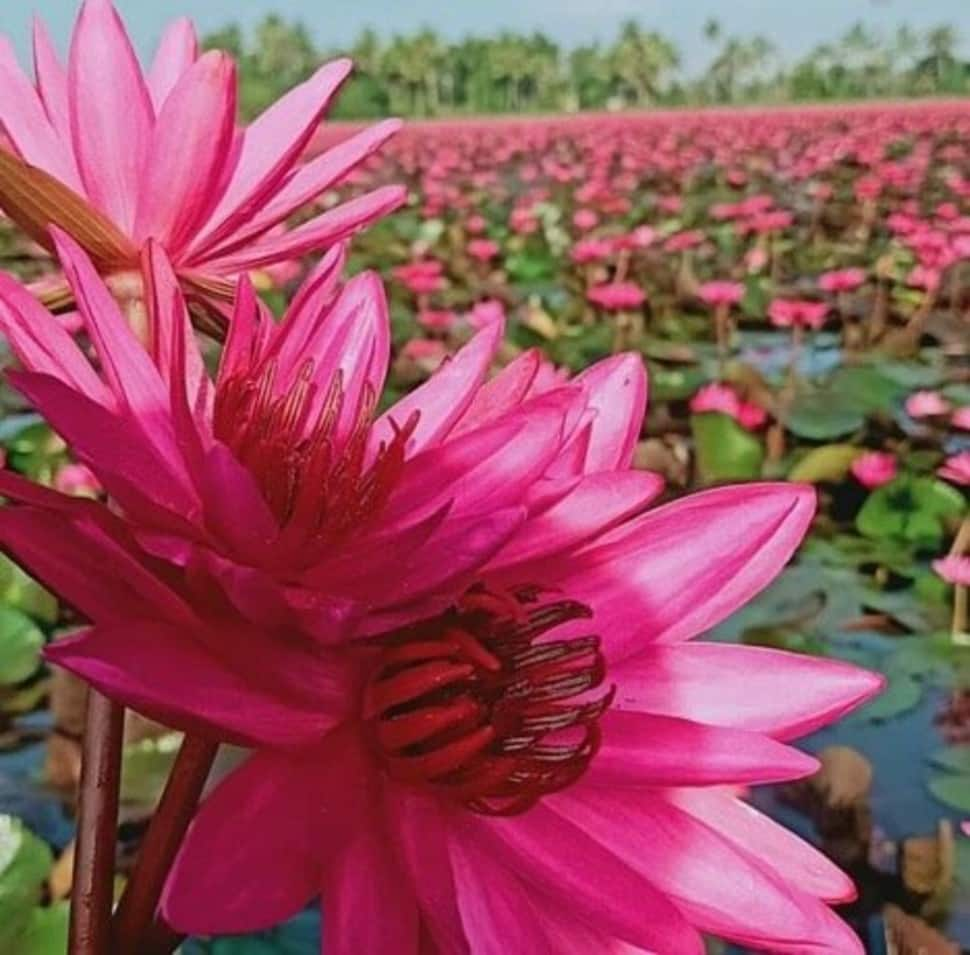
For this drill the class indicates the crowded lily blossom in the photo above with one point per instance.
(497, 536)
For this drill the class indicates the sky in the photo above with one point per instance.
(794, 25)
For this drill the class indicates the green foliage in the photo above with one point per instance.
(725, 450)
(20, 644)
(25, 862)
(421, 74)
(911, 510)
(831, 462)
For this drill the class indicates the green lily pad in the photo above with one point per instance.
(822, 416)
(20, 644)
(954, 758)
(831, 462)
(25, 862)
(725, 450)
(910, 509)
(954, 791)
(46, 931)
(145, 768)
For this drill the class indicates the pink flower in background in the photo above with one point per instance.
(157, 155)
(682, 241)
(486, 312)
(591, 250)
(720, 293)
(724, 399)
(926, 404)
(422, 277)
(617, 296)
(924, 277)
(804, 313)
(642, 237)
(716, 397)
(956, 469)
(476, 224)
(437, 320)
(961, 418)
(483, 249)
(954, 570)
(585, 219)
(841, 280)
(427, 353)
(78, 480)
(874, 468)
(755, 259)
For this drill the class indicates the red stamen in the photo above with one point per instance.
(472, 704)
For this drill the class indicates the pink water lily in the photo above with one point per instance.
(117, 156)
(541, 766)
(874, 468)
(287, 435)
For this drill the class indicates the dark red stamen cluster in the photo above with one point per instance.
(316, 481)
(477, 704)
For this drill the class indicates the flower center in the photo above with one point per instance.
(478, 702)
(313, 473)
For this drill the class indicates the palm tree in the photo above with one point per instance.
(638, 61)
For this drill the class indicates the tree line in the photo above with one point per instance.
(422, 74)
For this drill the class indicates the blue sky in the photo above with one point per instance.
(793, 26)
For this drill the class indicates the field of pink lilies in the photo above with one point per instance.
(518, 537)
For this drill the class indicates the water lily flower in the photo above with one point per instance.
(874, 468)
(551, 729)
(116, 155)
(954, 570)
(841, 280)
(724, 399)
(486, 312)
(720, 293)
(801, 313)
(961, 418)
(956, 469)
(437, 320)
(927, 404)
(483, 250)
(617, 296)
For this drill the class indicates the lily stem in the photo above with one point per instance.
(94, 858)
(172, 817)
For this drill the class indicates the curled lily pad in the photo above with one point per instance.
(725, 451)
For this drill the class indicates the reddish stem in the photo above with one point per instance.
(94, 859)
(175, 810)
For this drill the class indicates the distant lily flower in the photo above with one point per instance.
(475, 224)
(721, 293)
(956, 469)
(874, 468)
(724, 399)
(927, 404)
(961, 418)
(422, 277)
(483, 250)
(617, 296)
(485, 313)
(116, 156)
(586, 251)
(585, 219)
(954, 570)
(841, 280)
(797, 313)
(78, 480)
(437, 320)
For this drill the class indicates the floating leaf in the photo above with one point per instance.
(903, 693)
(910, 509)
(25, 862)
(831, 462)
(46, 931)
(952, 790)
(822, 416)
(725, 451)
(20, 645)
(146, 766)
(954, 758)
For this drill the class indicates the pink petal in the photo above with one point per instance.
(738, 686)
(442, 399)
(188, 152)
(598, 502)
(502, 393)
(640, 749)
(310, 181)
(51, 80)
(799, 863)
(720, 888)
(48, 542)
(164, 673)
(250, 858)
(583, 879)
(177, 51)
(111, 111)
(686, 566)
(329, 227)
(618, 395)
(43, 345)
(419, 823)
(131, 375)
(494, 903)
(173, 343)
(271, 146)
(24, 120)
